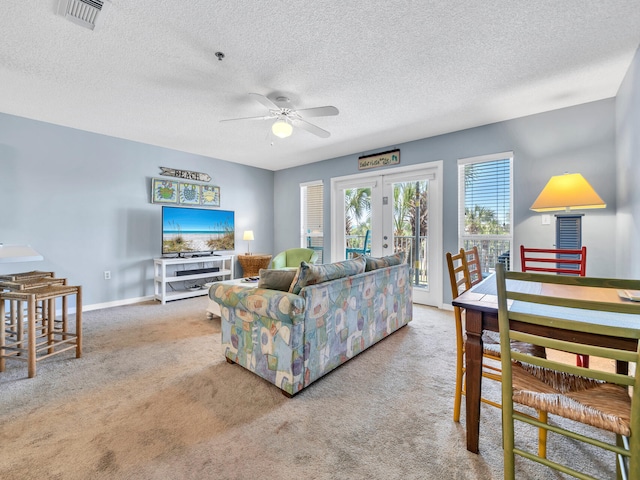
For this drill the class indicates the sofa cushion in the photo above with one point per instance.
(309, 274)
(373, 263)
(276, 279)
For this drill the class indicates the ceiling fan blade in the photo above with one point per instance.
(310, 127)
(263, 117)
(265, 101)
(318, 111)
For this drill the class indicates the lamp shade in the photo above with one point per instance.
(281, 128)
(18, 253)
(248, 235)
(570, 191)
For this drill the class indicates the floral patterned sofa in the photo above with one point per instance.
(331, 313)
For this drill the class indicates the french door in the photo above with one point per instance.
(401, 210)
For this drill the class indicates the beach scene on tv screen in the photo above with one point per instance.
(196, 230)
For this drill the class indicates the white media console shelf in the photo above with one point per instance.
(170, 270)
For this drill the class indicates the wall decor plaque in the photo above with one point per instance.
(190, 193)
(186, 174)
(392, 157)
(210, 196)
(164, 190)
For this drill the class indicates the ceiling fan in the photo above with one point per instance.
(286, 118)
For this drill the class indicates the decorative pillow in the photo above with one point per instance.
(276, 279)
(309, 274)
(373, 263)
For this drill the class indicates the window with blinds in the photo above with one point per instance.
(312, 210)
(485, 207)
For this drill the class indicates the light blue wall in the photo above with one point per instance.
(83, 201)
(628, 152)
(577, 139)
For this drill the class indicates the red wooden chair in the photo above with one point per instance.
(559, 261)
(567, 262)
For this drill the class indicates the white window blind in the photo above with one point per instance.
(485, 207)
(312, 210)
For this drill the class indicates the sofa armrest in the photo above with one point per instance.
(262, 330)
(263, 302)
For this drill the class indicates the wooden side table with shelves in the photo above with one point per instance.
(178, 270)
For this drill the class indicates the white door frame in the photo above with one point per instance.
(432, 170)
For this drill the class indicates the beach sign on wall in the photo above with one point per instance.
(186, 174)
(392, 157)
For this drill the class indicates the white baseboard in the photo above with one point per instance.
(117, 303)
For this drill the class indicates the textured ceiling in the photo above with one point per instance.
(398, 70)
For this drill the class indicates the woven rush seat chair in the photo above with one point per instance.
(465, 272)
(592, 396)
(54, 337)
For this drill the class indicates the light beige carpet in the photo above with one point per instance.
(153, 398)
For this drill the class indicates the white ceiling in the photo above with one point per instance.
(398, 70)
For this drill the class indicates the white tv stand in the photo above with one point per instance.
(166, 272)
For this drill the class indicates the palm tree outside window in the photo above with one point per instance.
(485, 207)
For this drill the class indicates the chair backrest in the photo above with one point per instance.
(464, 270)
(474, 270)
(292, 257)
(366, 246)
(457, 273)
(297, 255)
(534, 308)
(567, 262)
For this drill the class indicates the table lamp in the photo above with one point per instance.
(18, 253)
(567, 192)
(248, 236)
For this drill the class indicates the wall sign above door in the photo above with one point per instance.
(392, 157)
(186, 174)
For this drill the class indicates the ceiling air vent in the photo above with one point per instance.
(87, 13)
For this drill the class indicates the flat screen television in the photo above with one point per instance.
(196, 230)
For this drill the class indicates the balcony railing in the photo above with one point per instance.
(405, 244)
(491, 251)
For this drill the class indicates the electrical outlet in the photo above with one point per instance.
(107, 275)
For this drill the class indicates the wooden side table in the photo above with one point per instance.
(251, 264)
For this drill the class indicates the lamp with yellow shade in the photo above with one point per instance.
(567, 192)
(248, 236)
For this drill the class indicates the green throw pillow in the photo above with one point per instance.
(276, 279)
(309, 274)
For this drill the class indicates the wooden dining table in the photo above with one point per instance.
(481, 305)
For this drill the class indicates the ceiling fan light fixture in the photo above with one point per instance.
(281, 128)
